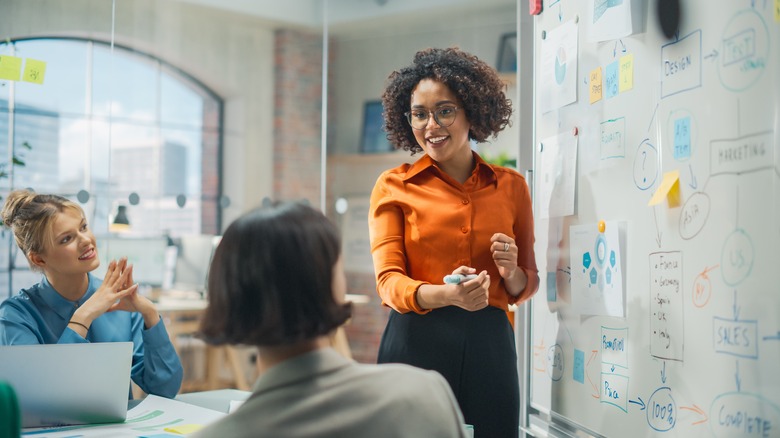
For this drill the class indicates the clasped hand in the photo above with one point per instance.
(118, 292)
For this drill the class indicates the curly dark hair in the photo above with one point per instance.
(476, 84)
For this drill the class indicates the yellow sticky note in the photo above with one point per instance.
(34, 71)
(184, 429)
(669, 189)
(777, 11)
(596, 87)
(10, 67)
(626, 80)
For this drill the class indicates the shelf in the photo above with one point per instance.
(509, 78)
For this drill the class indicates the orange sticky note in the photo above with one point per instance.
(596, 88)
(669, 189)
(184, 429)
(626, 81)
(34, 71)
(10, 67)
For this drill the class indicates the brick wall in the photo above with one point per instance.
(297, 116)
(365, 329)
(297, 139)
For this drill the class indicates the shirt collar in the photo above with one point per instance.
(63, 307)
(426, 162)
(305, 366)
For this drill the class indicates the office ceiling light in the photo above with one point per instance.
(121, 222)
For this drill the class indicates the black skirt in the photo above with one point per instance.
(474, 351)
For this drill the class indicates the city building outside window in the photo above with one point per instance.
(109, 127)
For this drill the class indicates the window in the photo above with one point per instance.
(120, 126)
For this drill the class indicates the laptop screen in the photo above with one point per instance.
(63, 384)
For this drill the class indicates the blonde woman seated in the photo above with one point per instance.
(70, 305)
(277, 282)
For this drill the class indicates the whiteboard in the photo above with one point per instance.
(667, 322)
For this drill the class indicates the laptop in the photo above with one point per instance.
(65, 384)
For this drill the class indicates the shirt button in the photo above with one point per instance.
(464, 229)
(465, 201)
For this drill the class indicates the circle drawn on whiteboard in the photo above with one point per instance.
(747, 402)
(736, 259)
(645, 165)
(744, 51)
(694, 215)
(662, 410)
(555, 362)
(560, 66)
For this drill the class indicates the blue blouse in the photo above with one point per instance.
(40, 315)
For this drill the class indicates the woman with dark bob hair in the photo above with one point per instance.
(277, 282)
(451, 214)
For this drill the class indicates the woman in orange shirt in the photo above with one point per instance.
(452, 213)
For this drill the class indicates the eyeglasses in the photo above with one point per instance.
(444, 117)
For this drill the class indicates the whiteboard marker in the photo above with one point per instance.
(458, 278)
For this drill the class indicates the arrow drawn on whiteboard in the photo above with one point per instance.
(539, 357)
(773, 337)
(693, 183)
(713, 54)
(736, 308)
(640, 403)
(663, 373)
(658, 232)
(736, 377)
(614, 50)
(560, 14)
(697, 410)
(653, 117)
(596, 393)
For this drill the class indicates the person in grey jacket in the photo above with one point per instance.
(277, 282)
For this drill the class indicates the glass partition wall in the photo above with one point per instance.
(183, 114)
(367, 41)
(136, 108)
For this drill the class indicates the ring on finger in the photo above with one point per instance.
(506, 246)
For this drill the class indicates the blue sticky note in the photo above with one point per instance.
(579, 366)
(611, 80)
(552, 288)
(682, 138)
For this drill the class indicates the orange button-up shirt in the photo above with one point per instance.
(423, 224)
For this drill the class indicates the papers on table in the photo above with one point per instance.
(153, 417)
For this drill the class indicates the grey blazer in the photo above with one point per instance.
(324, 394)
